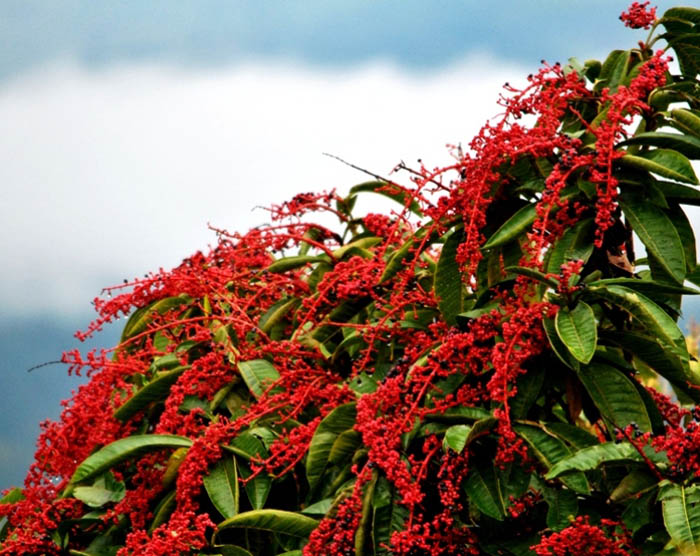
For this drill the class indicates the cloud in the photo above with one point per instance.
(109, 174)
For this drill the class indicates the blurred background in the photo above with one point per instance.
(128, 127)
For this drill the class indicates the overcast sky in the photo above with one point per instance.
(128, 126)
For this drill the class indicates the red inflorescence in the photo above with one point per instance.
(583, 539)
(638, 16)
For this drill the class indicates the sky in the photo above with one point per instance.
(129, 127)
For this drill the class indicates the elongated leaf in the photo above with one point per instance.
(105, 489)
(650, 288)
(232, 550)
(138, 322)
(663, 162)
(669, 365)
(290, 263)
(689, 120)
(615, 396)
(484, 492)
(456, 437)
(354, 246)
(681, 511)
(319, 508)
(632, 484)
(163, 510)
(528, 388)
(277, 521)
(276, 313)
(392, 191)
(221, 485)
(691, 15)
(558, 347)
(154, 391)
(550, 449)
(650, 315)
(587, 459)
(578, 331)
(259, 375)
(513, 227)
(684, 144)
(574, 244)
(657, 233)
(389, 516)
(448, 279)
(344, 447)
(12, 497)
(614, 69)
(534, 274)
(562, 507)
(123, 449)
(336, 422)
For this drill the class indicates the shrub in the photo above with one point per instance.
(479, 371)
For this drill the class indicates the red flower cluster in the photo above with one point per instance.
(583, 539)
(638, 16)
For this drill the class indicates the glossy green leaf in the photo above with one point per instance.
(534, 274)
(484, 491)
(691, 15)
(632, 485)
(690, 121)
(587, 459)
(163, 510)
(259, 375)
(614, 69)
(389, 516)
(277, 521)
(344, 447)
(389, 190)
(681, 510)
(123, 449)
(290, 263)
(336, 422)
(558, 347)
(456, 437)
(517, 224)
(221, 485)
(528, 388)
(276, 313)
(578, 331)
(685, 144)
(354, 246)
(615, 396)
(658, 234)
(155, 391)
(663, 162)
(649, 288)
(105, 489)
(139, 320)
(549, 450)
(319, 508)
(562, 508)
(448, 279)
(232, 550)
(13, 496)
(574, 244)
(646, 312)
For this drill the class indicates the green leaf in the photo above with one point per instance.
(646, 312)
(221, 485)
(456, 437)
(344, 447)
(534, 274)
(517, 224)
(663, 162)
(276, 313)
(389, 515)
(163, 510)
(277, 521)
(339, 420)
(687, 49)
(105, 489)
(658, 234)
(562, 507)
(448, 279)
(123, 449)
(632, 485)
(615, 396)
(577, 329)
(139, 320)
(319, 508)
(690, 121)
(691, 15)
(484, 491)
(614, 69)
(681, 510)
(12, 497)
(296, 261)
(259, 375)
(669, 365)
(550, 449)
(387, 189)
(646, 287)
(587, 459)
(528, 388)
(687, 145)
(574, 244)
(154, 391)
(558, 347)
(355, 246)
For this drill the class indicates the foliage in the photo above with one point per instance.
(476, 372)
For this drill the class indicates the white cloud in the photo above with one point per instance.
(108, 175)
